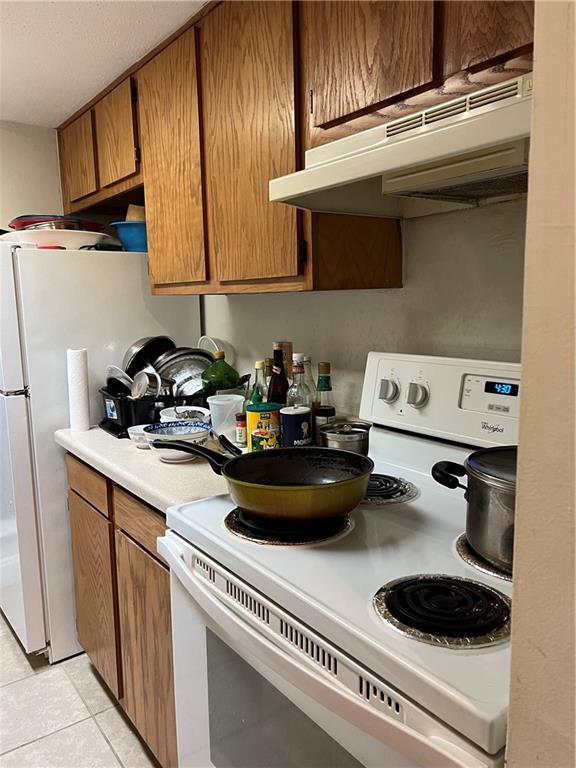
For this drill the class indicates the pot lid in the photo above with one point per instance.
(144, 352)
(494, 464)
(346, 429)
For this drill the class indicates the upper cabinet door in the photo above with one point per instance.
(248, 97)
(170, 145)
(478, 31)
(115, 135)
(358, 54)
(77, 161)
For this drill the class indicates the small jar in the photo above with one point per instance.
(240, 430)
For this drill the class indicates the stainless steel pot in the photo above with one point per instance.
(346, 436)
(491, 497)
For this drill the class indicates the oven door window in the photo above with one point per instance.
(253, 725)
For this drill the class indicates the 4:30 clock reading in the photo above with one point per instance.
(501, 388)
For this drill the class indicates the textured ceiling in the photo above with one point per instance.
(56, 56)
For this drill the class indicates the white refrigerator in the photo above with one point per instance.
(51, 300)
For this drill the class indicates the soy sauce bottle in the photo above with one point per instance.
(278, 387)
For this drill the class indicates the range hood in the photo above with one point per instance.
(463, 153)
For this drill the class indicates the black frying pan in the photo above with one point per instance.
(294, 484)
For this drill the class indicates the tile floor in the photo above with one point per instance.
(61, 715)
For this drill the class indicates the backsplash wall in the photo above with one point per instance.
(462, 297)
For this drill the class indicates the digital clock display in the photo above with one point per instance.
(501, 388)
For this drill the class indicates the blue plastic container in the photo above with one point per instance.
(132, 235)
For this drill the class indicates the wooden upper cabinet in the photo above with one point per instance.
(77, 159)
(475, 32)
(248, 97)
(115, 135)
(358, 54)
(170, 145)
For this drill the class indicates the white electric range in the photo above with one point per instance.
(287, 655)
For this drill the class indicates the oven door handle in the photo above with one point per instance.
(432, 751)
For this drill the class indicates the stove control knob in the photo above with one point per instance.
(389, 390)
(418, 395)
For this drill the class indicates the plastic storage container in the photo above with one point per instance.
(224, 409)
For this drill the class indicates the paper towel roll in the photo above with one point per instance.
(78, 397)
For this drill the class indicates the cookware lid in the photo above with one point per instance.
(144, 352)
(263, 407)
(496, 466)
(346, 430)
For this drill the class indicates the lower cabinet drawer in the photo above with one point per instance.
(146, 642)
(138, 520)
(88, 483)
(95, 590)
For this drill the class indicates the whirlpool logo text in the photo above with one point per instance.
(492, 428)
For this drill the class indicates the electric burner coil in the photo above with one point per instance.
(386, 489)
(279, 533)
(445, 610)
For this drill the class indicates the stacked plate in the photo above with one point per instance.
(54, 231)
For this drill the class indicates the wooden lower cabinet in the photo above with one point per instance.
(94, 584)
(87, 483)
(122, 590)
(146, 643)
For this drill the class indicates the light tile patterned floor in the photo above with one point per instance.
(60, 715)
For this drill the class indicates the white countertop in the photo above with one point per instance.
(140, 471)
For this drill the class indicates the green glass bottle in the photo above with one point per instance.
(219, 375)
(260, 391)
(324, 386)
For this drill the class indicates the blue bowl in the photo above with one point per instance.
(132, 235)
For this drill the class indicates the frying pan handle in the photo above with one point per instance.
(229, 446)
(217, 460)
(447, 473)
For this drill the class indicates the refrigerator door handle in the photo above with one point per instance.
(15, 392)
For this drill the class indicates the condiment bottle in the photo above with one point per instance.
(323, 414)
(309, 381)
(268, 363)
(240, 430)
(298, 394)
(324, 385)
(278, 387)
(219, 375)
(287, 350)
(260, 390)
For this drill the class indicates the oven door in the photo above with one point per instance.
(245, 700)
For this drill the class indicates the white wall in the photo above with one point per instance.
(29, 173)
(462, 297)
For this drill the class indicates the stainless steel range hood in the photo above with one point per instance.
(466, 152)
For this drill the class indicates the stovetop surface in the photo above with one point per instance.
(330, 586)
